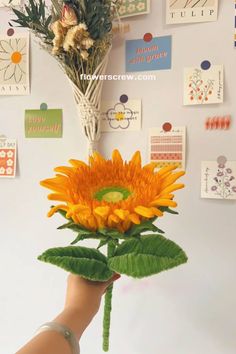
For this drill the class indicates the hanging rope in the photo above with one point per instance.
(89, 103)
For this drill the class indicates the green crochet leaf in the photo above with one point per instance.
(168, 210)
(146, 256)
(89, 263)
(144, 226)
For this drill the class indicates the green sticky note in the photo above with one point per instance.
(43, 123)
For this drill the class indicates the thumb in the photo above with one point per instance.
(115, 277)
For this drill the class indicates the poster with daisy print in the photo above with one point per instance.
(134, 7)
(187, 11)
(7, 158)
(14, 65)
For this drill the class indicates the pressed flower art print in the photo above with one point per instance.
(115, 203)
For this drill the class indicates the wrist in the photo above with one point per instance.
(74, 318)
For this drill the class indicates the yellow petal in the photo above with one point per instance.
(102, 211)
(134, 218)
(113, 218)
(68, 171)
(122, 214)
(59, 197)
(172, 178)
(143, 211)
(163, 170)
(53, 210)
(77, 163)
(173, 187)
(156, 212)
(151, 166)
(116, 157)
(164, 202)
(136, 159)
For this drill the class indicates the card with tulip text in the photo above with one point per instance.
(134, 7)
(152, 53)
(7, 157)
(167, 146)
(121, 116)
(187, 11)
(204, 85)
(218, 179)
(14, 64)
(41, 123)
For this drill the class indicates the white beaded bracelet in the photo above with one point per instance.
(65, 331)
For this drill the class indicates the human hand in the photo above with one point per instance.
(83, 298)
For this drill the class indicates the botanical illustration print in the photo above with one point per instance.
(5, 3)
(183, 4)
(198, 89)
(13, 61)
(117, 116)
(218, 179)
(203, 86)
(133, 7)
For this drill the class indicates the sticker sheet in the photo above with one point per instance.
(144, 55)
(134, 7)
(14, 65)
(204, 86)
(43, 123)
(7, 158)
(218, 179)
(119, 116)
(187, 11)
(168, 147)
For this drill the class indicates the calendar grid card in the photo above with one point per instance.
(7, 158)
(168, 147)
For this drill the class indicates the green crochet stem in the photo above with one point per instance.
(107, 307)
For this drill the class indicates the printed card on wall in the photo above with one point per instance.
(218, 179)
(154, 54)
(187, 11)
(204, 86)
(7, 158)
(134, 7)
(119, 116)
(14, 65)
(43, 123)
(168, 147)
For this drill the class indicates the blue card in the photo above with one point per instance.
(148, 56)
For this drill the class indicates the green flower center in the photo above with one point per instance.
(112, 194)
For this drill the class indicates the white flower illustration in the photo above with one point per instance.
(9, 171)
(9, 162)
(2, 171)
(119, 116)
(2, 154)
(131, 8)
(10, 154)
(140, 6)
(13, 59)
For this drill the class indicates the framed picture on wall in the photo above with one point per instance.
(134, 7)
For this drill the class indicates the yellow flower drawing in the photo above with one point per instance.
(13, 60)
(112, 193)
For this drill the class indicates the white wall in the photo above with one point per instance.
(188, 310)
